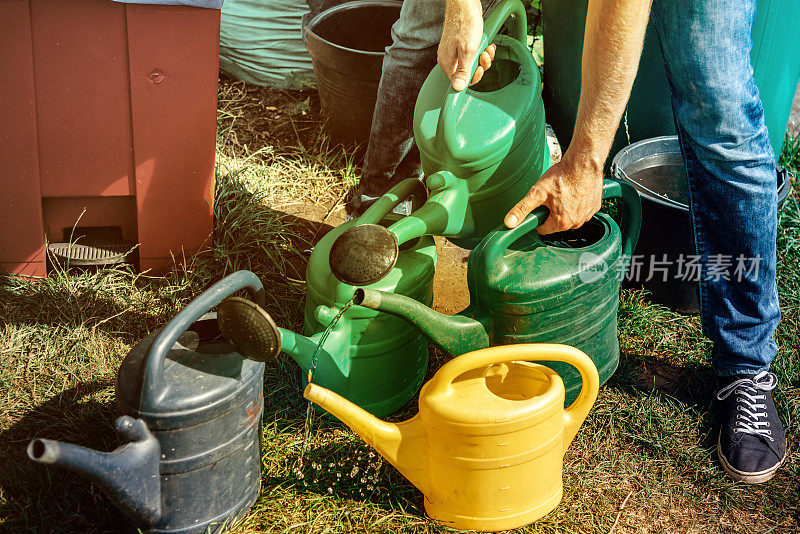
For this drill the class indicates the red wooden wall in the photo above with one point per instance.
(109, 119)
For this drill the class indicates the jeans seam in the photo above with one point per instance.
(697, 227)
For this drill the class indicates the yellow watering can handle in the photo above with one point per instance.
(574, 415)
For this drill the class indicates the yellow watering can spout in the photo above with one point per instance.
(402, 444)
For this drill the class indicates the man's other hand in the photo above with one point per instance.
(571, 189)
(461, 36)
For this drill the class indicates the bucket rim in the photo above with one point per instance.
(782, 181)
(346, 6)
(618, 166)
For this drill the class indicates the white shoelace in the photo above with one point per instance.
(747, 391)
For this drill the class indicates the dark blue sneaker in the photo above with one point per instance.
(752, 443)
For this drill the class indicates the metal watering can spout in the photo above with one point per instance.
(129, 475)
(404, 445)
(455, 334)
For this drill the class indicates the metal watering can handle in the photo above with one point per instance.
(574, 415)
(498, 241)
(153, 380)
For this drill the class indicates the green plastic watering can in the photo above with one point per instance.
(525, 288)
(481, 150)
(374, 359)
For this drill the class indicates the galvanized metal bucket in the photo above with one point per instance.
(655, 168)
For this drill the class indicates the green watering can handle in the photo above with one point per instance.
(494, 21)
(498, 241)
(451, 107)
(613, 188)
(153, 379)
(386, 203)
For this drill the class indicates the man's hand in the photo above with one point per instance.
(461, 36)
(571, 189)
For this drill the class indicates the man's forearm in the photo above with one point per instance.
(612, 47)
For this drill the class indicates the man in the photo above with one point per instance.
(391, 154)
(729, 162)
(731, 170)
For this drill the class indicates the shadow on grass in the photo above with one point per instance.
(38, 498)
(691, 384)
(102, 300)
(675, 428)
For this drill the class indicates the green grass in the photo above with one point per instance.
(644, 460)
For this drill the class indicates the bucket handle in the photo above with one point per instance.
(574, 414)
(498, 241)
(619, 173)
(153, 379)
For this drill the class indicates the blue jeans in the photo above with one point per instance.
(731, 169)
(392, 155)
(720, 121)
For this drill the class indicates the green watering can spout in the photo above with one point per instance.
(366, 253)
(470, 329)
(454, 334)
(300, 348)
(461, 171)
(254, 335)
(331, 358)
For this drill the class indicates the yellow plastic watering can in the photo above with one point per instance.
(486, 448)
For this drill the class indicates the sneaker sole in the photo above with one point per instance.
(757, 477)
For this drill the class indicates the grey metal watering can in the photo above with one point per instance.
(190, 460)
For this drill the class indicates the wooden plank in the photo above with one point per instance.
(174, 56)
(83, 109)
(21, 233)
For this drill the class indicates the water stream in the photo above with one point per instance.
(309, 422)
(359, 475)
